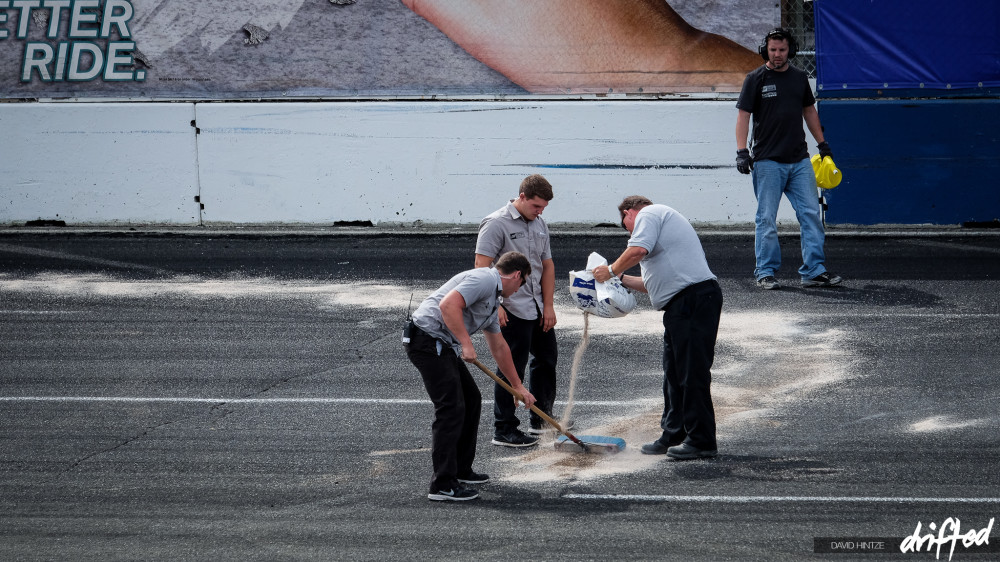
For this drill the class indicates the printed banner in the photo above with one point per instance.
(253, 49)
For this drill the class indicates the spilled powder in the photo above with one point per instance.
(765, 361)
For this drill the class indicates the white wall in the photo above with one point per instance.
(387, 162)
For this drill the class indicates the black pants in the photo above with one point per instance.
(690, 328)
(457, 407)
(526, 337)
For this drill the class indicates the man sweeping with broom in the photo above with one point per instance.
(439, 342)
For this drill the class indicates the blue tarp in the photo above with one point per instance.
(915, 44)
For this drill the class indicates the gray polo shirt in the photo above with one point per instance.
(505, 230)
(676, 259)
(481, 288)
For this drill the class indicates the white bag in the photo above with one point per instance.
(607, 300)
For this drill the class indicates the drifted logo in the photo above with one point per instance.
(933, 540)
(948, 533)
(84, 39)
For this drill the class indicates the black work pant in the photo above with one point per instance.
(457, 407)
(690, 328)
(526, 337)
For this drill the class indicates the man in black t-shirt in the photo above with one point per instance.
(778, 97)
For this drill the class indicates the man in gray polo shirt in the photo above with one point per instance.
(528, 317)
(679, 282)
(438, 343)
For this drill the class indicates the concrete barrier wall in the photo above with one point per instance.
(384, 162)
(98, 163)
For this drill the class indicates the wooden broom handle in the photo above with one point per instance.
(534, 408)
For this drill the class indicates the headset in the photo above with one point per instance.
(778, 33)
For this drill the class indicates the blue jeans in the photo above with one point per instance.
(798, 183)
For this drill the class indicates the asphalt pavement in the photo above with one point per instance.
(242, 394)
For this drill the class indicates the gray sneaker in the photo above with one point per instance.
(514, 438)
(769, 283)
(822, 280)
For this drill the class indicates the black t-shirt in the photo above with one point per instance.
(776, 100)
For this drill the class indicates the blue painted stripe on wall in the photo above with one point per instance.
(725, 166)
(914, 161)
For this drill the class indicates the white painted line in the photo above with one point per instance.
(183, 400)
(891, 314)
(41, 312)
(825, 314)
(772, 499)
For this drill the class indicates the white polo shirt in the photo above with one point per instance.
(676, 259)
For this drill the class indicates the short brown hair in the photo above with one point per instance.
(514, 261)
(536, 185)
(633, 202)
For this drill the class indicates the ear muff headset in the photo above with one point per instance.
(779, 33)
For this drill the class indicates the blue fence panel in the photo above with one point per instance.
(918, 44)
(914, 161)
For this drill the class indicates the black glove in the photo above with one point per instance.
(824, 150)
(743, 162)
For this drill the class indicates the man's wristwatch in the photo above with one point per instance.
(611, 271)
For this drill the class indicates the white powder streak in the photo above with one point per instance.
(944, 423)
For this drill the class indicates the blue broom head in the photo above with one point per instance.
(597, 443)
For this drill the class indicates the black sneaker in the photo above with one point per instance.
(456, 494)
(822, 280)
(769, 283)
(655, 448)
(474, 478)
(514, 438)
(686, 452)
(545, 428)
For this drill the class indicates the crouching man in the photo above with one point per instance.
(440, 343)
